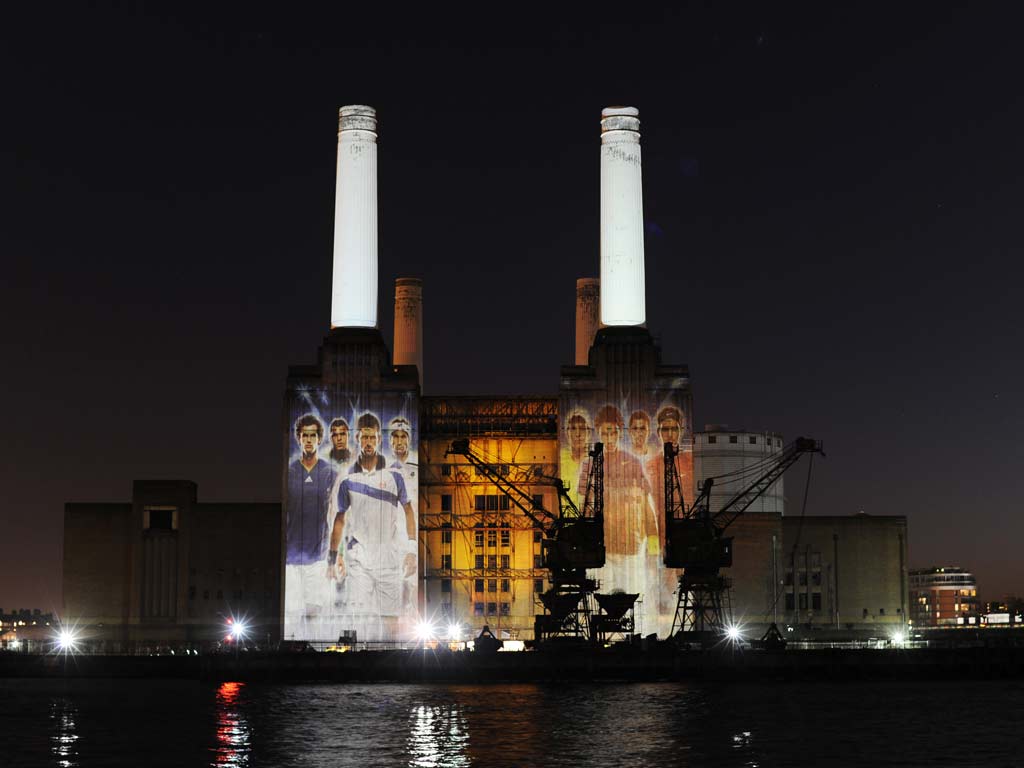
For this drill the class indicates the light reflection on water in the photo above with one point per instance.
(64, 743)
(233, 745)
(438, 737)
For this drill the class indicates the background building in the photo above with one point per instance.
(944, 596)
(168, 570)
(844, 573)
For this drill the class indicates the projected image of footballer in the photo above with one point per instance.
(399, 440)
(640, 435)
(340, 453)
(373, 539)
(310, 482)
(574, 451)
(671, 427)
(631, 529)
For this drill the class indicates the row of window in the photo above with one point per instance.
(492, 562)
(802, 578)
(490, 502)
(493, 609)
(492, 585)
(815, 601)
(752, 439)
(492, 537)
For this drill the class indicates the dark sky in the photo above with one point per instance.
(832, 204)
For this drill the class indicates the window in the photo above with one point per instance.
(816, 601)
(537, 537)
(446, 536)
(503, 503)
(492, 502)
(538, 500)
(492, 538)
(789, 601)
(505, 609)
(446, 471)
(161, 519)
(538, 585)
(478, 609)
(733, 438)
(504, 585)
(803, 578)
(206, 594)
(538, 561)
(492, 561)
(712, 438)
(446, 585)
(446, 502)
(789, 578)
(492, 585)
(478, 585)
(479, 538)
(881, 611)
(816, 578)
(479, 561)
(803, 601)
(753, 440)
(492, 608)
(505, 561)
(506, 537)
(480, 503)
(446, 562)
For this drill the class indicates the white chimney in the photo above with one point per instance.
(588, 316)
(622, 219)
(409, 323)
(354, 292)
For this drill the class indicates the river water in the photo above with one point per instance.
(176, 723)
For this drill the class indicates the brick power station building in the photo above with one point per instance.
(381, 526)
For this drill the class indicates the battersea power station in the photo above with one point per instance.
(564, 513)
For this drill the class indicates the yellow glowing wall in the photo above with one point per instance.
(479, 554)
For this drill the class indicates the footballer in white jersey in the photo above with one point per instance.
(373, 539)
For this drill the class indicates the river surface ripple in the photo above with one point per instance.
(174, 723)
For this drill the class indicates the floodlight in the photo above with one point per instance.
(454, 632)
(425, 631)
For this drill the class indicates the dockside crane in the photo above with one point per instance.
(573, 541)
(695, 541)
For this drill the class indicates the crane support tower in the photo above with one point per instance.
(695, 542)
(573, 541)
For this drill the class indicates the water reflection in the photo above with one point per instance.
(438, 737)
(233, 745)
(744, 742)
(64, 743)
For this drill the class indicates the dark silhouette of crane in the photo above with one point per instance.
(695, 541)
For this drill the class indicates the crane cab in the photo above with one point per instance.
(692, 543)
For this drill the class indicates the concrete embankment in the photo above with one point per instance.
(624, 665)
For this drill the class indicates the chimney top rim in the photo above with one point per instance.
(616, 111)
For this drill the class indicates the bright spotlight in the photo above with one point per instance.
(898, 638)
(66, 640)
(425, 631)
(732, 632)
(238, 629)
(454, 632)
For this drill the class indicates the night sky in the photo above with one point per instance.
(832, 205)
